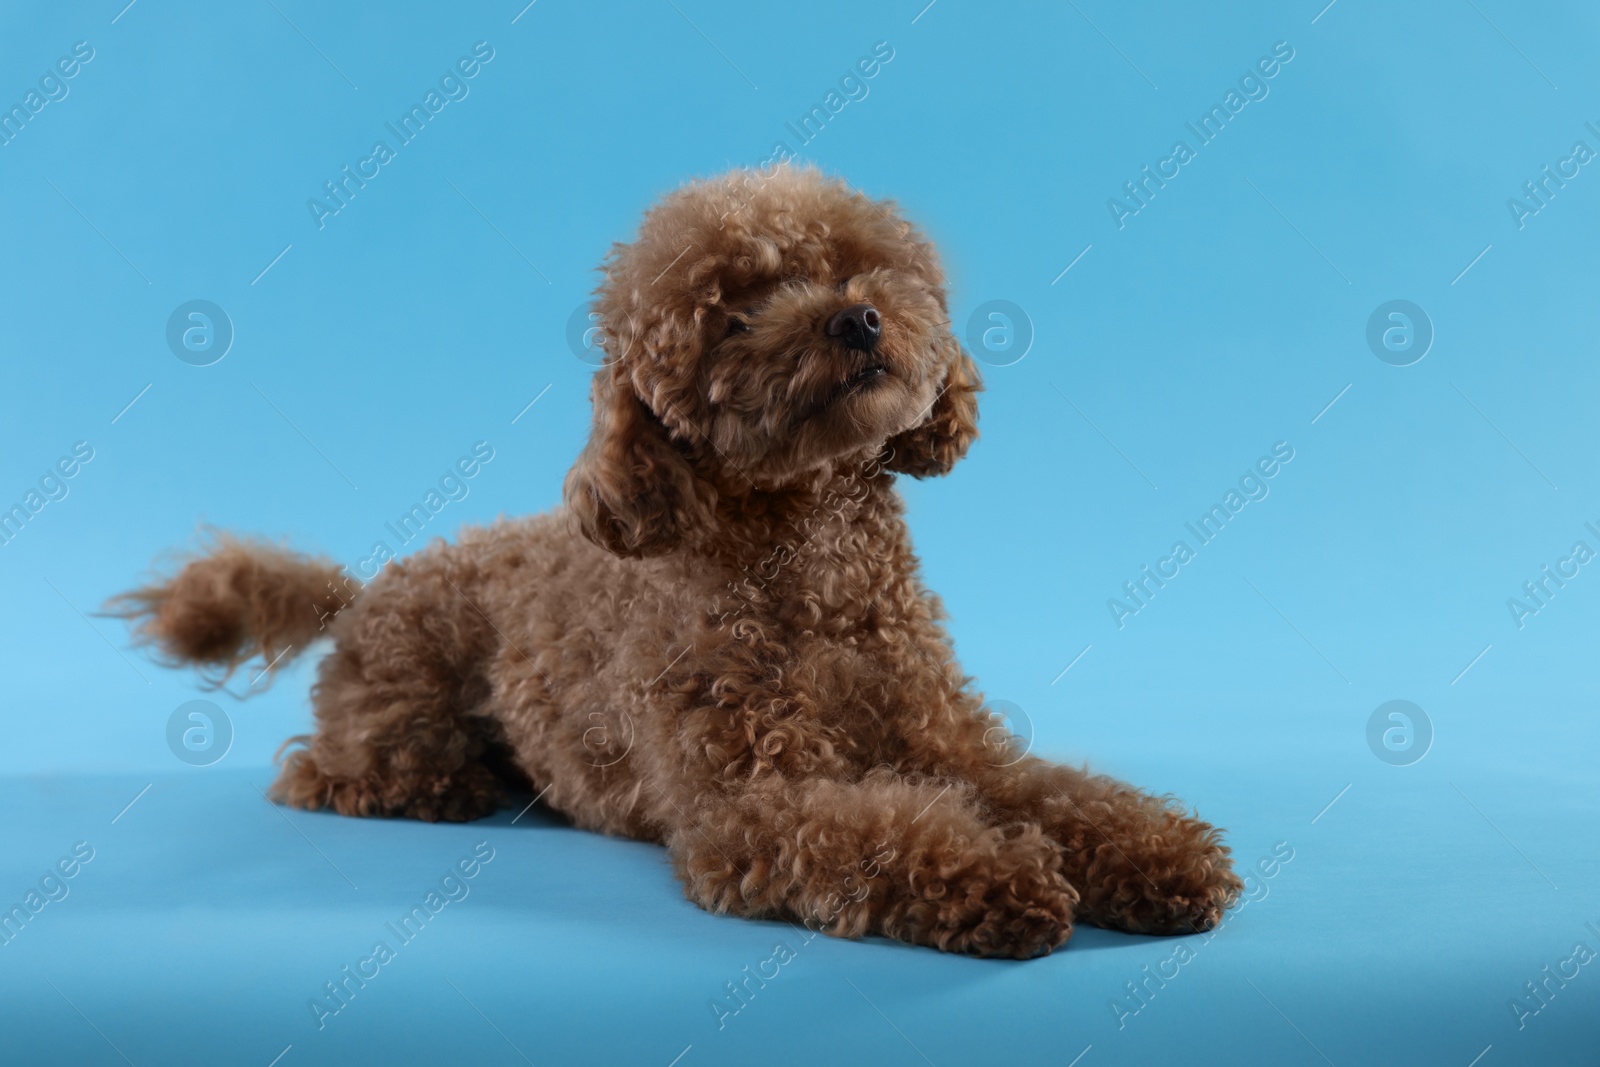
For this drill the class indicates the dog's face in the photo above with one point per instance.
(763, 326)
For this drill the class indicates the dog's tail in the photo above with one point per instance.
(233, 601)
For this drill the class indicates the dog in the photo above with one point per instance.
(720, 641)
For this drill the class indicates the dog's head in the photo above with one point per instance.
(764, 326)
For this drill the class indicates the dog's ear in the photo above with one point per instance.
(633, 490)
(950, 425)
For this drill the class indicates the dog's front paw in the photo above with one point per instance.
(1178, 879)
(1008, 901)
(1014, 932)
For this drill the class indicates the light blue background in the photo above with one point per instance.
(1224, 317)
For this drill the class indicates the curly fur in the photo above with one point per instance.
(721, 642)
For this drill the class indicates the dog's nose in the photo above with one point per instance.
(858, 326)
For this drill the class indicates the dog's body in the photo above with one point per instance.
(721, 642)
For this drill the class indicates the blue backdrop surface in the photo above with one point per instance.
(1348, 244)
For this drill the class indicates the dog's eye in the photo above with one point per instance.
(737, 325)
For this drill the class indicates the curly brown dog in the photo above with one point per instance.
(721, 641)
